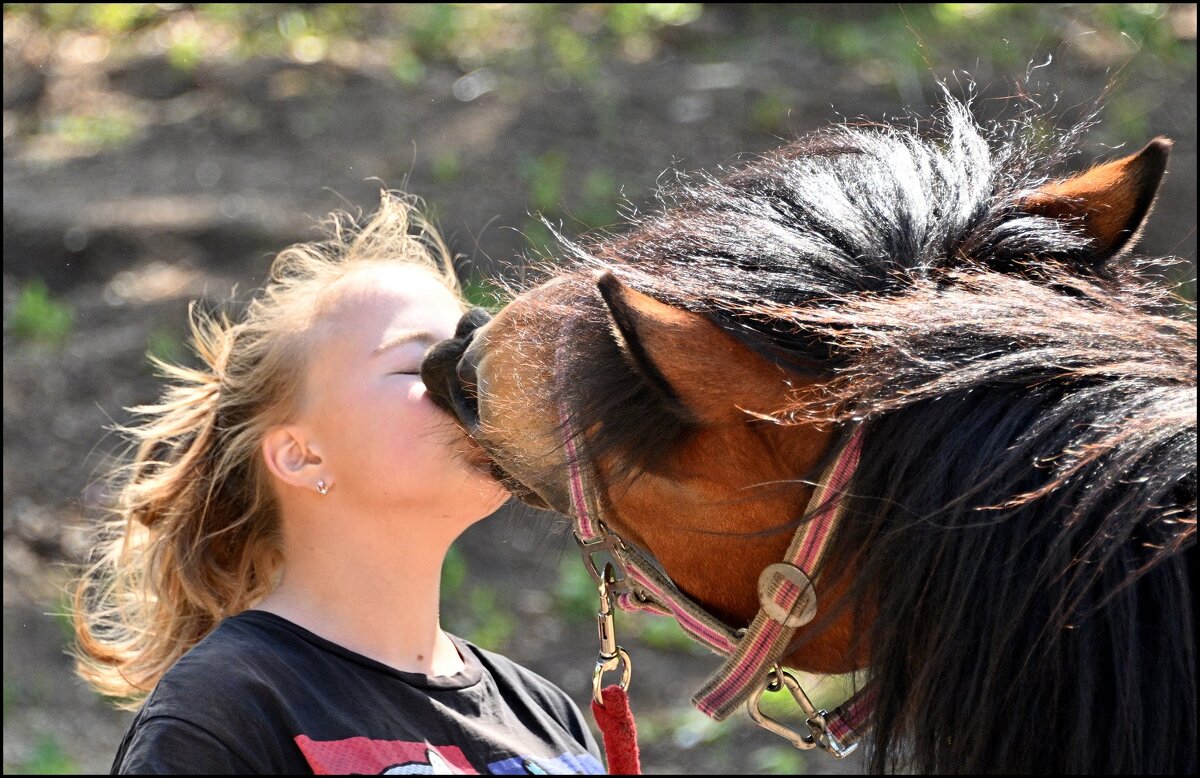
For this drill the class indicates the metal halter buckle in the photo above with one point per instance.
(607, 542)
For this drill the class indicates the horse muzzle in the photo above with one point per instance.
(448, 371)
(450, 378)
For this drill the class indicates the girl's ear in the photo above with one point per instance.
(1111, 201)
(689, 360)
(290, 459)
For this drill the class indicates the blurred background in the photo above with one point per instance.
(160, 153)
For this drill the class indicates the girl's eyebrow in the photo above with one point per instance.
(404, 338)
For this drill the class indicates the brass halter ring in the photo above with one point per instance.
(603, 665)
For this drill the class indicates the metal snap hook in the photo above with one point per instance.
(816, 720)
(612, 663)
(611, 656)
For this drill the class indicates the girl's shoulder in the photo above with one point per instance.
(227, 706)
(243, 660)
(511, 675)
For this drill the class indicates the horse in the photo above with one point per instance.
(1009, 571)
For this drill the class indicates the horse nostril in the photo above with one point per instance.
(471, 321)
(467, 378)
(437, 371)
(449, 376)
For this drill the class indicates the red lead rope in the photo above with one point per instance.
(620, 733)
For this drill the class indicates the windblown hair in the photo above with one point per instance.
(195, 534)
(1023, 516)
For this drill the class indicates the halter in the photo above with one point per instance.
(751, 667)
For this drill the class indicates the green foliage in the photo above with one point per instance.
(185, 50)
(770, 112)
(577, 600)
(576, 39)
(484, 293)
(894, 43)
(61, 613)
(826, 692)
(692, 728)
(575, 595)
(406, 66)
(93, 131)
(447, 167)
(683, 727)
(594, 204)
(493, 624)
(39, 317)
(474, 611)
(454, 573)
(541, 240)
(544, 174)
(573, 38)
(1144, 24)
(599, 185)
(49, 758)
(119, 18)
(780, 760)
(165, 346)
(1185, 291)
(659, 632)
(599, 205)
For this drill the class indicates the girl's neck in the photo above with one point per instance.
(376, 597)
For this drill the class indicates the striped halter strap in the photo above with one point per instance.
(752, 654)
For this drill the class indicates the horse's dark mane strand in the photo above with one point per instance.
(1025, 507)
(1024, 511)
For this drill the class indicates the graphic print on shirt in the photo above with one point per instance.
(366, 756)
(565, 764)
(434, 765)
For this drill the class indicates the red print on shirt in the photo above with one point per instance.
(364, 756)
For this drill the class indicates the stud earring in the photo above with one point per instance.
(322, 487)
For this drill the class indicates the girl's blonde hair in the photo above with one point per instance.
(194, 536)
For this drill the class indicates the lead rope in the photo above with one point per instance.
(620, 733)
(610, 705)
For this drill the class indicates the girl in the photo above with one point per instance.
(271, 577)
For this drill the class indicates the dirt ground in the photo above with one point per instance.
(233, 161)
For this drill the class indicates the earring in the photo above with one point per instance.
(322, 487)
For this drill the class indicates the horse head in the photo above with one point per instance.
(1026, 410)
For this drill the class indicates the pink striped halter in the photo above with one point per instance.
(752, 654)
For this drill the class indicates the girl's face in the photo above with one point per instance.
(385, 446)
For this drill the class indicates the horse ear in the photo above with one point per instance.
(688, 359)
(1111, 200)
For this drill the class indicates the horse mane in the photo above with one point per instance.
(1021, 525)
(1024, 511)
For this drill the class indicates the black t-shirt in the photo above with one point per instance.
(263, 695)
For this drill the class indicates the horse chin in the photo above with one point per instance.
(534, 498)
(482, 460)
(520, 490)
